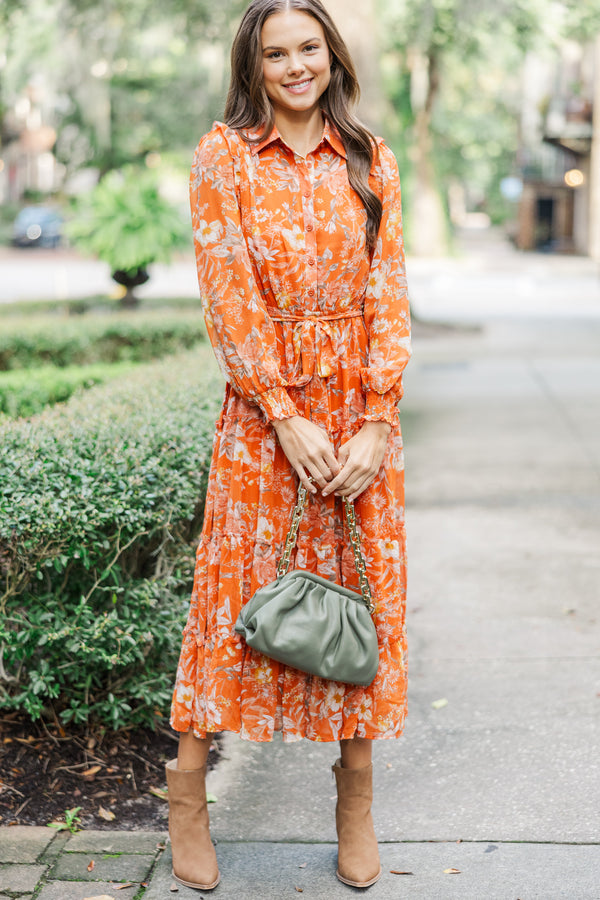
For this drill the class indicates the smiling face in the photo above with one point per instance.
(296, 62)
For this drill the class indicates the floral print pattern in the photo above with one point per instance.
(303, 319)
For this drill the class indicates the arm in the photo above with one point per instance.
(387, 312)
(239, 327)
(387, 320)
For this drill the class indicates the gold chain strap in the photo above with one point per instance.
(359, 560)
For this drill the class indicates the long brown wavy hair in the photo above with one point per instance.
(249, 107)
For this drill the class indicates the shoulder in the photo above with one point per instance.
(221, 145)
(384, 177)
(385, 164)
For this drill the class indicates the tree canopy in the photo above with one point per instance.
(123, 78)
(125, 81)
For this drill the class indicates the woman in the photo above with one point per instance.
(297, 227)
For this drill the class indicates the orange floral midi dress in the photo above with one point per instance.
(303, 320)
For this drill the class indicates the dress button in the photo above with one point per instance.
(307, 194)
(309, 228)
(311, 292)
(311, 261)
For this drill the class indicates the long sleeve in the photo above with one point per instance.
(386, 308)
(239, 327)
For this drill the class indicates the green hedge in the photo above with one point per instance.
(100, 508)
(30, 341)
(25, 392)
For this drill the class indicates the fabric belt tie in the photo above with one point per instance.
(313, 343)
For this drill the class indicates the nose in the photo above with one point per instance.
(295, 64)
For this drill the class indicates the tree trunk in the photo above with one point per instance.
(594, 190)
(428, 231)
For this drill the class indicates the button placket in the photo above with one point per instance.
(310, 232)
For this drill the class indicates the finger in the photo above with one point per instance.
(343, 454)
(352, 479)
(329, 458)
(358, 488)
(317, 477)
(321, 461)
(354, 490)
(320, 468)
(363, 487)
(306, 479)
(340, 481)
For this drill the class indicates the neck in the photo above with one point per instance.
(300, 131)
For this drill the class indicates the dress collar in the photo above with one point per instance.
(330, 136)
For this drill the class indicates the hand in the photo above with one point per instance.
(308, 449)
(361, 458)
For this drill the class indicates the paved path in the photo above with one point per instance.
(486, 279)
(497, 774)
(39, 274)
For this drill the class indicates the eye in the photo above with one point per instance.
(311, 47)
(276, 54)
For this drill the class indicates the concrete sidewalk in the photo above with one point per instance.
(497, 774)
(486, 279)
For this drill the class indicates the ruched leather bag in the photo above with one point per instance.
(313, 624)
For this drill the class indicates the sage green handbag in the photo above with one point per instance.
(313, 624)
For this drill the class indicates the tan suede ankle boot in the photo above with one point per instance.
(194, 858)
(358, 853)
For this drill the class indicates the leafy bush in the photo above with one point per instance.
(33, 341)
(100, 506)
(25, 392)
(126, 223)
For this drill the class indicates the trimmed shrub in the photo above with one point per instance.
(100, 508)
(25, 392)
(36, 341)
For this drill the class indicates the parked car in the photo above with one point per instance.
(37, 226)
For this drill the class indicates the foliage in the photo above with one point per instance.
(582, 19)
(25, 392)
(133, 76)
(71, 823)
(453, 76)
(452, 71)
(99, 501)
(8, 214)
(81, 340)
(126, 223)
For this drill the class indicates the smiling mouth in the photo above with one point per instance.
(298, 86)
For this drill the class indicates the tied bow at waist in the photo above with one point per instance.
(313, 344)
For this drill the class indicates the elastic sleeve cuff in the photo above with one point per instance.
(276, 404)
(382, 408)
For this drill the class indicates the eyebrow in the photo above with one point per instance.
(308, 41)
